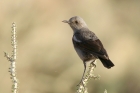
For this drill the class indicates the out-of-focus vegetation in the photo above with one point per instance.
(47, 61)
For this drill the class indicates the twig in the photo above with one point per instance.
(12, 59)
(82, 87)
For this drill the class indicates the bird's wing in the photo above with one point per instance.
(90, 43)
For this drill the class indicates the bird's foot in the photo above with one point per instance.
(94, 64)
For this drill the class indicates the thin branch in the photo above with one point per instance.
(12, 59)
(82, 87)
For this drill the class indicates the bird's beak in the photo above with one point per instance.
(65, 21)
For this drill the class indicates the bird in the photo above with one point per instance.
(87, 45)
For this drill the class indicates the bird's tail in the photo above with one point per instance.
(107, 63)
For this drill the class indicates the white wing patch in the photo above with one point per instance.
(76, 40)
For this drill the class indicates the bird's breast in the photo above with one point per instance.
(85, 56)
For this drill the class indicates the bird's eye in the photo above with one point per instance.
(76, 22)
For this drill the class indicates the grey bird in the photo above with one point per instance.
(87, 44)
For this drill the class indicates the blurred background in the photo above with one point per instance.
(47, 61)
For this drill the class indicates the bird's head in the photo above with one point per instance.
(76, 23)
